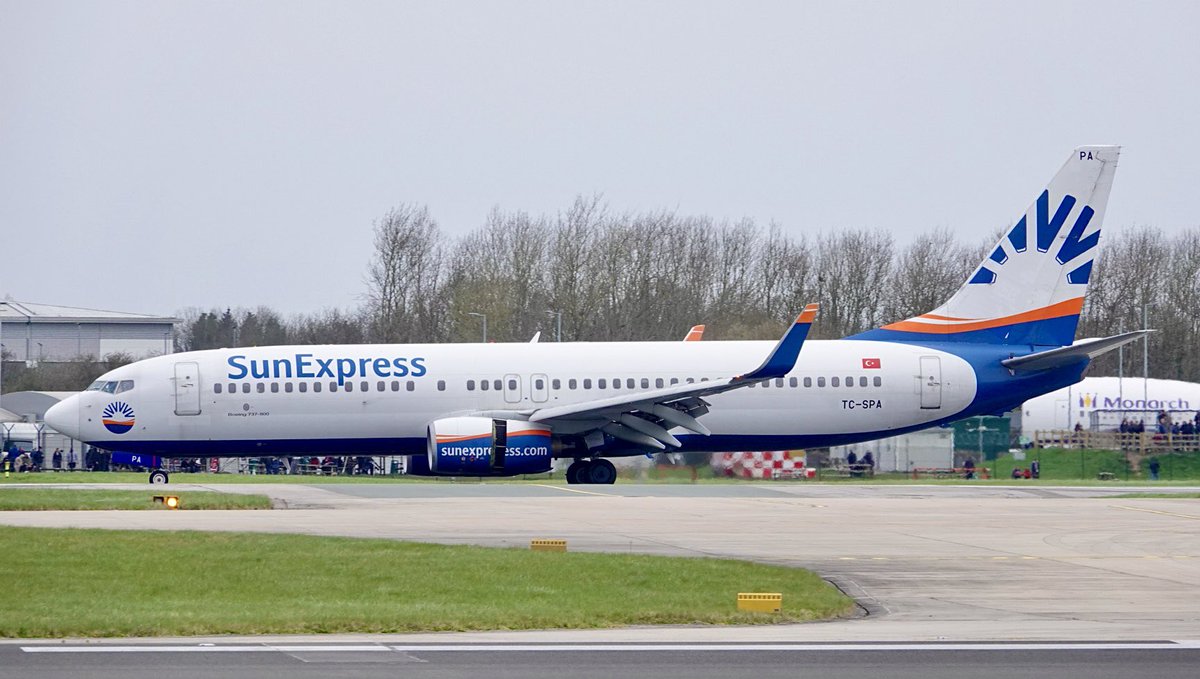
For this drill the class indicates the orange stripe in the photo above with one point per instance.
(1071, 307)
(935, 317)
(809, 313)
(452, 439)
(530, 432)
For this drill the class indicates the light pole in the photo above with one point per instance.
(484, 317)
(557, 324)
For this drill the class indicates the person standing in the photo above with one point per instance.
(72, 459)
(1154, 467)
(56, 459)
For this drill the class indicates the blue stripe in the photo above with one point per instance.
(1058, 332)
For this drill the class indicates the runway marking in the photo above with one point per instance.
(573, 490)
(625, 647)
(1155, 511)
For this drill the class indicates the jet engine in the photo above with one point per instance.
(482, 446)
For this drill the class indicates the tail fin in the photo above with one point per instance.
(1030, 288)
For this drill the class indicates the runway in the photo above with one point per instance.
(927, 564)
(1165, 660)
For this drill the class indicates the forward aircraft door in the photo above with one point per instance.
(931, 382)
(187, 389)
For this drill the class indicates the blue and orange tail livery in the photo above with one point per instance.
(1029, 289)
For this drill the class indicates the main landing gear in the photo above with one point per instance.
(158, 477)
(591, 471)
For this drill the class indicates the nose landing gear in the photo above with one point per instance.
(599, 471)
(158, 477)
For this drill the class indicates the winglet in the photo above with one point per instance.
(695, 334)
(783, 356)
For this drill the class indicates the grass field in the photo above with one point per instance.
(1070, 465)
(18, 499)
(127, 583)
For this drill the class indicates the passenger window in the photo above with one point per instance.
(571, 383)
(217, 388)
(629, 383)
(232, 388)
(834, 382)
(441, 385)
(555, 384)
(261, 388)
(498, 385)
(332, 386)
(779, 381)
(850, 381)
(349, 386)
(124, 386)
(245, 387)
(364, 386)
(287, 386)
(821, 381)
(658, 382)
(316, 387)
(703, 379)
(691, 380)
(381, 386)
(274, 387)
(793, 382)
(674, 381)
(484, 385)
(512, 385)
(303, 387)
(411, 385)
(109, 387)
(587, 383)
(878, 381)
(539, 383)
(807, 382)
(395, 385)
(862, 381)
(470, 385)
(602, 383)
(645, 383)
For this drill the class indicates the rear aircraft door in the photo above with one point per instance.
(512, 388)
(539, 388)
(187, 388)
(931, 382)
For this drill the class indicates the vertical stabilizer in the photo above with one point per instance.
(1030, 287)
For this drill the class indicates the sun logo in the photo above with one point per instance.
(117, 417)
(1048, 226)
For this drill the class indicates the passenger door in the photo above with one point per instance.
(187, 388)
(931, 382)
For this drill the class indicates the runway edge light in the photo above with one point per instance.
(171, 501)
(548, 545)
(760, 602)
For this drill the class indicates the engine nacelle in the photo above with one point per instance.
(482, 446)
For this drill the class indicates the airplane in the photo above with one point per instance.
(505, 409)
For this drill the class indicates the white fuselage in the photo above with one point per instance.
(246, 399)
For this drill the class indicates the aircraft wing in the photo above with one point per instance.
(1087, 348)
(645, 418)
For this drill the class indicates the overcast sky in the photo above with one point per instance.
(160, 155)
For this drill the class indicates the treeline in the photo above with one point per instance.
(651, 276)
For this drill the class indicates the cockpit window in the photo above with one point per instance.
(95, 386)
(109, 387)
(124, 386)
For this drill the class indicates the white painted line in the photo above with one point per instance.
(585, 647)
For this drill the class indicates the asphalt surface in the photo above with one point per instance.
(927, 564)
(298, 661)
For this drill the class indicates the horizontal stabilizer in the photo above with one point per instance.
(1088, 348)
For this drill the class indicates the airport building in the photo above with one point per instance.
(45, 332)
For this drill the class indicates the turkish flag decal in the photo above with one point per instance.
(871, 364)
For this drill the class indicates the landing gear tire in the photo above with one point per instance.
(601, 472)
(158, 477)
(573, 472)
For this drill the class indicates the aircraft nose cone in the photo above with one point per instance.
(63, 417)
